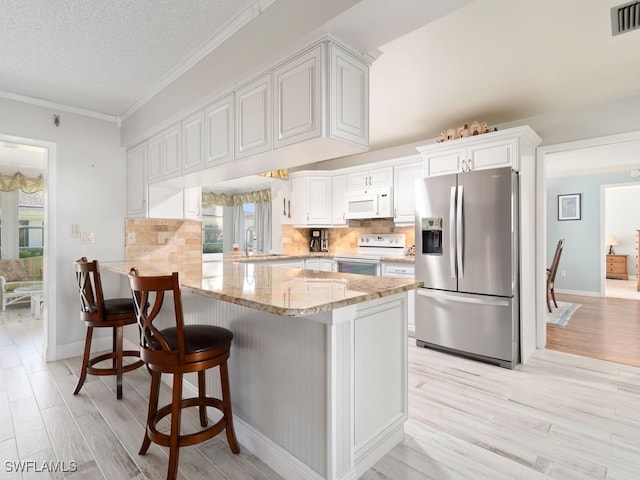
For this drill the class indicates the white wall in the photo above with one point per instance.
(622, 219)
(86, 185)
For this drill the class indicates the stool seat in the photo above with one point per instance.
(96, 312)
(178, 350)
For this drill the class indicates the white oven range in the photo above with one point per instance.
(372, 247)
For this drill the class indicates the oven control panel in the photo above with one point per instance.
(393, 240)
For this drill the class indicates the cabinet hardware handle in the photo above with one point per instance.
(469, 165)
(464, 166)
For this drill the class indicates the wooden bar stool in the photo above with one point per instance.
(96, 312)
(178, 350)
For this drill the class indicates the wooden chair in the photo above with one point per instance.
(551, 275)
(96, 312)
(180, 349)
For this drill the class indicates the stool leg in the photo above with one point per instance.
(176, 410)
(154, 393)
(226, 401)
(85, 360)
(117, 349)
(202, 393)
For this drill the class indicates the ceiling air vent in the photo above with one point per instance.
(625, 18)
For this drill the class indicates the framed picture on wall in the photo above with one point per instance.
(569, 206)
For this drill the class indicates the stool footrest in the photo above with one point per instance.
(91, 370)
(206, 433)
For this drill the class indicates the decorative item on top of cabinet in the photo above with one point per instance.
(479, 152)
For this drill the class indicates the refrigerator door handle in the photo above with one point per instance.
(477, 299)
(452, 242)
(460, 231)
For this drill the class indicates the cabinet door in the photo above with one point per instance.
(381, 177)
(298, 207)
(297, 99)
(358, 180)
(319, 200)
(171, 152)
(193, 143)
(443, 163)
(349, 97)
(219, 132)
(404, 177)
(192, 203)
(338, 188)
(154, 160)
(136, 181)
(253, 118)
(493, 155)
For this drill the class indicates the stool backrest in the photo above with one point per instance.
(148, 298)
(90, 289)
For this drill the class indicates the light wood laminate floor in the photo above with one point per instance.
(560, 416)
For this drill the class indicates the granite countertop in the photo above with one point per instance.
(263, 257)
(400, 259)
(273, 289)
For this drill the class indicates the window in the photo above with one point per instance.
(30, 224)
(212, 229)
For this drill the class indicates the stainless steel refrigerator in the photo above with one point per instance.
(467, 256)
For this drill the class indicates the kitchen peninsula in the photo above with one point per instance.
(318, 367)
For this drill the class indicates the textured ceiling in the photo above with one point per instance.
(103, 56)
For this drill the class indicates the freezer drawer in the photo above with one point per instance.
(479, 326)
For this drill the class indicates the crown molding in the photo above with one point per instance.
(252, 11)
(58, 106)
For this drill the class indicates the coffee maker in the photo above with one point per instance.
(324, 240)
(315, 243)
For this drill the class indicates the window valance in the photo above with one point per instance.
(9, 183)
(225, 199)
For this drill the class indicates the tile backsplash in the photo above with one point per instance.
(165, 241)
(295, 241)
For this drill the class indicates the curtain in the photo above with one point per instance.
(263, 226)
(8, 183)
(238, 225)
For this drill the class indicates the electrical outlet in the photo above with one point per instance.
(163, 237)
(131, 238)
(87, 237)
(563, 273)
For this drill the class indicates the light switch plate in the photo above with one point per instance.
(87, 237)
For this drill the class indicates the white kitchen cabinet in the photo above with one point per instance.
(320, 264)
(297, 99)
(403, 270)
(154, 158)
(479, 152)
(310, 199)
(370, 178)
(338, 206)
(219, 132)
(254, 122)
(349, 103)
(193, 143)
(289, 262)
(192, 198)
(404, 177)
(171, 152)
(137, 181)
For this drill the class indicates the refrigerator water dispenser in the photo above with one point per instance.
(432, 235)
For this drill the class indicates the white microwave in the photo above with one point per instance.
(371, 203)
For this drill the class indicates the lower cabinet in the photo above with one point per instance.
(320, 264)
(403, 270)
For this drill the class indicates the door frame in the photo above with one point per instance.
(49, 270)
(541, 217)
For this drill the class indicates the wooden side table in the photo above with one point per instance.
(617, 267)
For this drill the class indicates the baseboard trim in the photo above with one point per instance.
(581, 293)
(97, 344)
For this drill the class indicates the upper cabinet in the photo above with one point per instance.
(479, 152)
(137, 181)
(297, 97)
(165, 154)
(310, 199)
(376, 177)
(404, 177)
(338, 205)
(253, 117)
(219, 136)
(193, 143)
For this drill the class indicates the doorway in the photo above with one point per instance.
(24, 222)
(615, 158)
